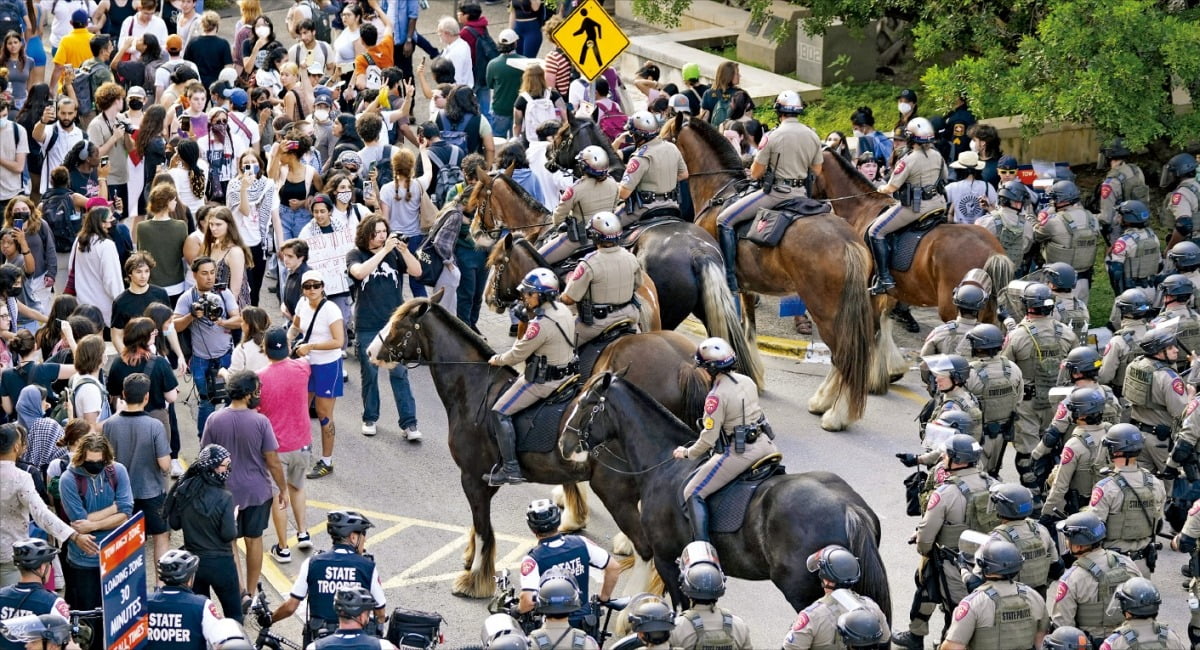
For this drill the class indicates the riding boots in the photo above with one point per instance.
(506, 439)
(698, 516)
(727, 238)
(883, 269)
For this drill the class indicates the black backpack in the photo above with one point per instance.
(10, 17)
(449, 174)
(485, 51)
(383, 168)
(58, 209)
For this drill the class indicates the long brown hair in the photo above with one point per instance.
(137, 340)
(403, 162)
(154, 120)
(33, 223)
(232, 236)
(93, 226)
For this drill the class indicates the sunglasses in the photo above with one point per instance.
(313, 285)
(1007, 171)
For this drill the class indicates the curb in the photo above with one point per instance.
(797, 349)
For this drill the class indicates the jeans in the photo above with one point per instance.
(473, 264)
(529, 33)
(220, 574)
(292, 221)
(502, 125)
(199, 367)
(397, 377)
(414, 284)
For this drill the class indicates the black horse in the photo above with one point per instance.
(790, 517)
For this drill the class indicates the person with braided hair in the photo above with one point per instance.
(190, 174)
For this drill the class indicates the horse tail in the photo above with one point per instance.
(721, 319)
(1000, 269)
(694, 391)
(862, 531)
(855, 329)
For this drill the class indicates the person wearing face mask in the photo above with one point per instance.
(870, 140)
(202, 507)
(218, 151)
(250, 199)
(906, 104)
(322, 121)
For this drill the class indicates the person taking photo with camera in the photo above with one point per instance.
(211, 312)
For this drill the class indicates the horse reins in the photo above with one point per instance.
(498, 229)
(585, 446)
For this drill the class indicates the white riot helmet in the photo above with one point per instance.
(788, 103)
(643, 125)
(715, 354)
(541, 281)
(920, 131)
(606, 226)
(595, 161)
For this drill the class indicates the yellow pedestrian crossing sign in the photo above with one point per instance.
(590, 38)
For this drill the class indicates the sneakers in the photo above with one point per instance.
(303, 541)
(368, 429)
(320, 470)
(176, 468)
(281, 555)
(412, 435)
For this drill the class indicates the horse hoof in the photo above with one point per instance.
(895, 377)
(832, 424)
(557, 496)
(469, 585)
(622, 545)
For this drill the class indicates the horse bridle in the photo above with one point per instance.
(585, 444)
(389, 349)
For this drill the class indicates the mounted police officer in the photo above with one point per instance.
(1037, 345)
(652, 176)
(180, 619)
(595, 192)
(548, 350)
(1177, 292)
(557, 599)
(570, 554)
(1014, 505)
(353, 604)
(1123, 181)
(948, 337)
(1185, 542)
(816, 627)
(1134, 257)
(1181, 205)
(788, 156)
(1082, 454)
(996, 383)
(1138, 599)
(603, 284)
(1068, 233)
(1082, 595)
(1069, 309)
(959, 503)
(1129, 500)
(1008, 223)
(1002, 613)
(947, 383)
(1134, 309)
(1156, 394)
(733, 428)
(323, 574)
(918, 182)
(29, 597)
(705, 626)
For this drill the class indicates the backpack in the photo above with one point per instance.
(321, 45)
(321, 22)
(720, 111)
(59, 412)
(612, 119)
(537, 112)
(449, 174)
(485, 51)
(383, 167)
(455, 134)
(11, 17)
(58, 209)
(110, 473)
(85, 84)
(374, 74)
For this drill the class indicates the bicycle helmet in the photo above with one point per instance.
(543, 516)
(177, 566)
(340, 523)
(352, 600)
(541, 281)
(1060, 276)
(789, 103)
(715, 354)
(31, 554)
(594, 161)
(1083, 529)
(1011, 501)
(837, 565)
(970, 297)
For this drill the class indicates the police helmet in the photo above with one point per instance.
(1124, 439)
(1138, 597)
(948, 424)
(1038, 298)
(1156, 340)
(31, 554)
(1012, 192)
(962, 448)
(789, 103)
(498, 626)
(351, 601)
(920, 131)
(1182, 165)
(34, 627)
(652, 615)
(1011, 501)
(541, 281)
(1133, 303)
(177, 566)
(1185, 255)
(1063, 192)
(985, 337)
(605, 226)
(859, 628)
(1083, 529)
(700, 575)
(837, 565)
(557, 593)
(715, 353)
(1177, 285)
(340, 523)
(1085, 402)
(1067, 638)
(643, 125)
(953, 365)
(543, 516)
(595, 161)
(1117, 149)
(998, 557)
(1084, 360)
(509, 642)
(1133, 212)
(1060, 276)
(970, 297)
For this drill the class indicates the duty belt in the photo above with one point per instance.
(1160, 431)
(998, 428)
(554, 373)
(603, 311)
(791, 182)
(650, 197)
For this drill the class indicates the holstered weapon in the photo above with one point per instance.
(536, 368)
(1029, 392)
(587, 312)
(1075, 501)
(576, 231)
(1150, 553)
(768, 179)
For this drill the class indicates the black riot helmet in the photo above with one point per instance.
(1178, 286)
(700, 575)
(558, 593)
(1038, 299)
(1185, 256)
(859, 628)
(340, 523)
(351, 601)
(1116, 150)
(953, 365)
(837, 565)
(1133, 213)
(1060, 276)
(998, 557)
(1064, 192)
(1083, 360)
(31, 554)
(1083, 529)
(652, 615)
(543, 516)
(1088, 403)
(1133, 303)
(177, 566)
(985, 337)
(1012, 192)
(962, 448)
(1124, 439)
(1067, 638)
(1138, 597)
(1011, 501)
(1156, 340)
(969, 297)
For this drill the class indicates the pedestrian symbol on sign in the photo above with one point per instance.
(593, 31)
(590, 39)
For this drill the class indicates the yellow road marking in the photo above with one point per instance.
(774, 345)
(909, 394)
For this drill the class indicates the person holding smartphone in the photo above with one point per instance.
(251, 198)
(36, 241)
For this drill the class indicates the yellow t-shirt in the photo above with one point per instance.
(74, 48)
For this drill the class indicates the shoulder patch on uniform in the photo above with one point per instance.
(1061, 412)
(212, 609)
(1195, 508)
(1118, 246)
(1097, 494)
(801, 622)
(934, 499)
(1105, 645)
(711, 403)
(1176, 198)
(1043, 217)
(632, 166)
(65, 610)
(939, 475)
(1106, 190)
(1107, 347)
(531, 332)
(764, 140)
(1062, 589)
(577, 273)
(527, 566)
(1067, 455)
(1191, 407)
(962, 610)
(899, 167)
(1177, 386)
(568, 194)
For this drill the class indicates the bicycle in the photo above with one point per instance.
(261, 612)
(83, 632)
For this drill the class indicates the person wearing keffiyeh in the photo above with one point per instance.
(42, 433)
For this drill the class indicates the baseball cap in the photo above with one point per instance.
(316, 68)
(276, 343)
(312, 276)
(228, 75)
(691, 71)
(680, 104)
(174, 43)
(322, 95)
(508, 37)
(350, 158)
(80, 18)
(321, 199)
(237, 97)
(97, 202)
(908, 94)
(136, 91)
(1007, 162)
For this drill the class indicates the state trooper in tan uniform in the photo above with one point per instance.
(602, 286)
(653, 172)
(1082, 595)
(1185, 542)
(815, 627)
(1184, 459)
(595, 192)
(1134, 308)
(788, 155)
(1135, 256)
(946, 516)
(704, 624)
(1002, 613)
(1082, 456)
(1157, 396)
(1138, 600)
(548, 350)
(1124, 181)
(1177, 291)
(948, 375)
(1079, 370)
(1184, 259)
(1183, 203)
(950, 337)
(1069, 309)
(1129, 500)
(1014, 505)
(1068, 233)
(735, 430)
(1038, 345)
(1008, 223)
(996, 383)
(918, 181)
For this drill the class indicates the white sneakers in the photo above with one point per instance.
(412, 435)
(368, 429)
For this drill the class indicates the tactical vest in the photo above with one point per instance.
(327, 572)
(1139, 380)
(542, 641)
(24, 599)
(1013, 626)
(1129, 335)
(1143, 257)
(1133, 521)
(977, 515)
(1012, 240)
(1113, 411)
(1080, 251)
(1133, 183)
(1187, 331)
(1157, 642)
(1084, 478)
(1075, 318)
(1092, 615)
(1035, 570)
(571, 557)
(712, 639)
(998, 399)
(176, 618)
(349, 640)
(1048, 356)
(967, 405)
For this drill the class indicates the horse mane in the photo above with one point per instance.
(532, 250)
(860, 182)
(653, 404)
(727, 157)
(522, 194)
(450, 320)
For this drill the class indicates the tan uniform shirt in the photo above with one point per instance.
(1006, 224)
(960, 399)
(1145, 630)
(1116, 188)
(1168, 397)
(947, 505)
(711, 618)
(587, 197)
(1053, 228)
(978, 611)
(1184, 202)
(1126, 246)
(1112, 408)
(1190, 430)
(561, 635)
(1108, 498)
(1073, 313)
(920, 168)
(1082, 457)
(995, 367)
(655, 167)
(1015, 531)
(815, 627)
(552, 334)
(732, 402)
(791, 149)
(950, 338)
(1078, 586)
(1121, 349)
(610, 274)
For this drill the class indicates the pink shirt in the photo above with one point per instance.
(285, 402)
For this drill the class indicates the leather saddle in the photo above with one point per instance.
(727, 508)
(904, 242)
(769, 225)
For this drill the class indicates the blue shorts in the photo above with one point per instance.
(326, 380)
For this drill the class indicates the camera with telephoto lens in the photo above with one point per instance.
(208, 306)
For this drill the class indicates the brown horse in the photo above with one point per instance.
(421, 332)
(820, 259)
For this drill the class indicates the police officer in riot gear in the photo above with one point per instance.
(180, 619)
(1185, 542)
(1014, 505)
(29, 597)
(733, 427)
(603, 284)
(860, 628)
(1080, 369)
(1067, 638)
(1134, 310)
(1123, 181)
(918, 181)
(1069, 309)
(595, 192)
(1177, 292)
(1157, 396)
(1081, 457)
(1138, 600)
(1002, 612)
(996, 383)
(1068, 233)
(548, 348)
(1184, 258)
(1181, 205)
(816, 627)
(1130, 501)
(948, 337)
(1080, 598)
(353, 605)
(947, 383)
(557, 599)
(652, 176)
(1135, 256)
(1008, 223)
(705, 625)
(324, 573)
(652, 621)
